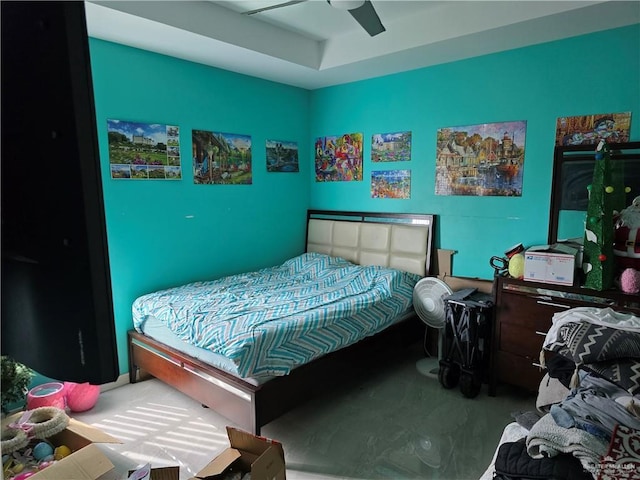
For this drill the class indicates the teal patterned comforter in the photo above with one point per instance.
(270, 321)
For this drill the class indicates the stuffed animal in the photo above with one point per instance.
(626, 246)
(630, 281)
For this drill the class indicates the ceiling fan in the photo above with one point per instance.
(362, 10)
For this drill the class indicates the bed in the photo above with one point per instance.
(226, 365)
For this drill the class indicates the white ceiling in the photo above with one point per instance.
(313, 45)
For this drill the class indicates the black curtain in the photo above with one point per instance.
(57, 310)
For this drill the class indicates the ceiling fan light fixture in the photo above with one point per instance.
(346, 4)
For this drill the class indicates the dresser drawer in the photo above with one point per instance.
(518, 371)
(533, 313)
(521, 341)
(523, 314)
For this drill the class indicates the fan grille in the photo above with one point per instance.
(428, 301)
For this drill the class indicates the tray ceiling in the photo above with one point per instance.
(313, 45)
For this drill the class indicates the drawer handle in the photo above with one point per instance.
(544, 334)
(553, 304)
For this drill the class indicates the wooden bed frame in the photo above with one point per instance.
(361, 237)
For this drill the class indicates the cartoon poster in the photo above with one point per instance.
(282, 156)
(481, 160)
(144, 151)
(391, 184)
(221, 158)
(590, 129)
(391, 147)
(339, 159)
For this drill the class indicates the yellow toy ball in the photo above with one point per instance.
(516, 266)
(60, 452)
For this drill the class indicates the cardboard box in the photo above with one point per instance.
(551, 264)
(442, 265)
(460, 283)
(160, 473)
(263, 457)
(87, 462)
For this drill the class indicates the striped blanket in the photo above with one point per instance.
(270, 321)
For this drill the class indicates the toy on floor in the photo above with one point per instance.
(22, 464)
(77, 397)
(81, 396)
(26, 449)
(49, 394)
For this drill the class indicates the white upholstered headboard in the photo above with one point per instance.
(397, 240)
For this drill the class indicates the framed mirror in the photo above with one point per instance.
(573, 172)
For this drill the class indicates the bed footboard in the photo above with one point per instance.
(227, 395)
(250, 406)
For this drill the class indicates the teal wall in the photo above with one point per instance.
(596, 73)
(163, 233)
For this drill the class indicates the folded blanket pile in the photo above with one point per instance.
(599, 340)
(547, 439)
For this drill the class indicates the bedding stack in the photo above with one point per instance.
(587, 423)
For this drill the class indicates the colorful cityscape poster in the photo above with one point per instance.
(590, 129)
(391, 184)
(391, 147)
(282, 156)
(481, 160)
(221, 158)
(144, 151)
(339, 159)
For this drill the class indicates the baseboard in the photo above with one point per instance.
(120, 381)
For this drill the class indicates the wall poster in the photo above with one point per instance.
(144, 151)
(590, 129)
(391, 147)
(391, 184)
(339, 159)
(282, 156)
(481, 160)
(221, 158)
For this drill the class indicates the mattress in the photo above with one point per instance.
(154, 328)
(262, 324)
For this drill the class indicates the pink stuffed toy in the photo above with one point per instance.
(626, 246)
(630, 281)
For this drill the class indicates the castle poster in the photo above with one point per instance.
(144, 151)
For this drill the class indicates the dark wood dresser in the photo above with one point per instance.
(523, 313)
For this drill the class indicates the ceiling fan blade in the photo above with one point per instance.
(273, 7)
(367, 17)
